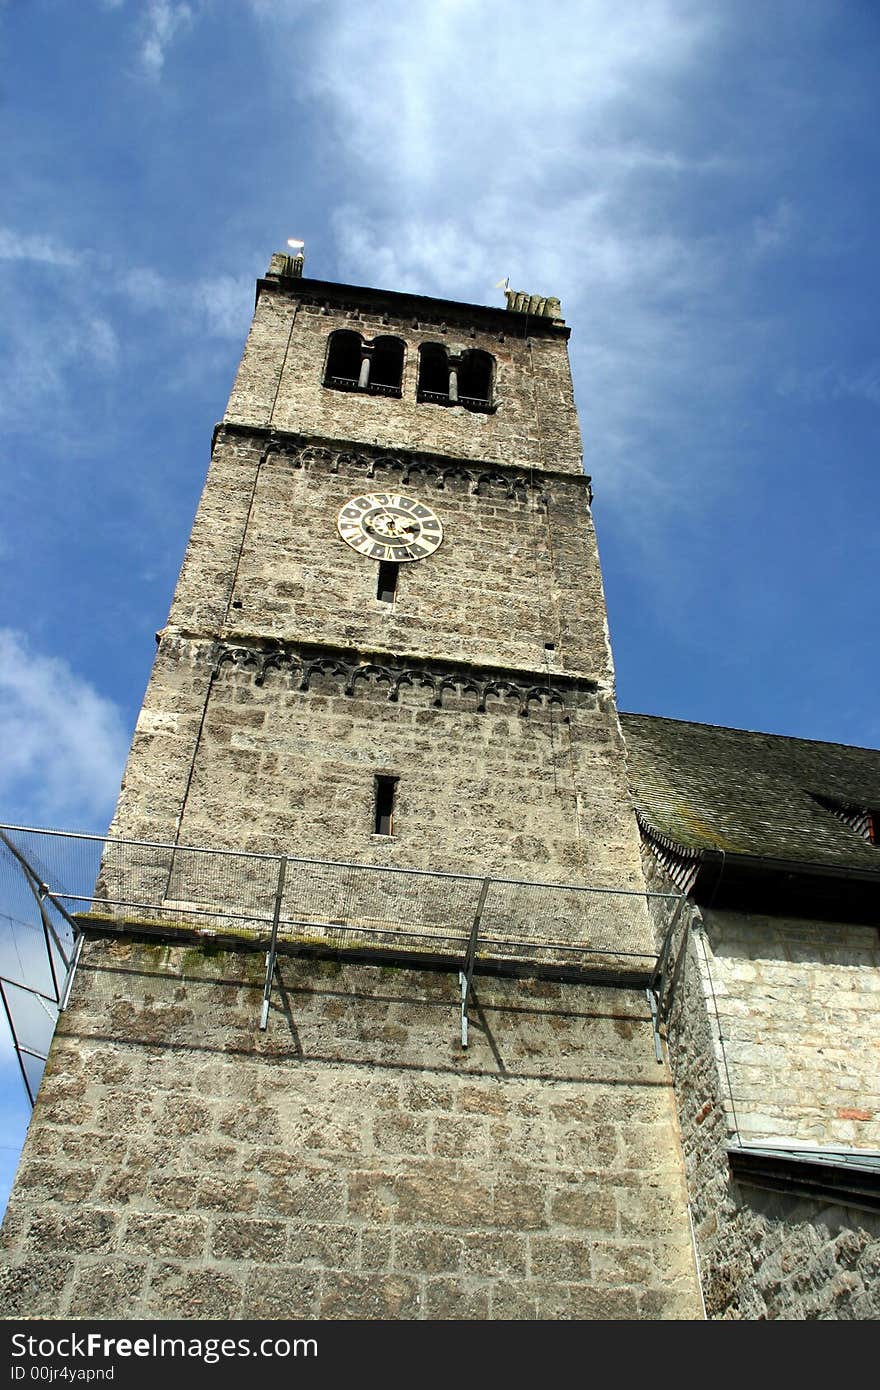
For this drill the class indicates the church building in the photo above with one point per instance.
(416, 981)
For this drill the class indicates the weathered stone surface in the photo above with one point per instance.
(771, 983)
(220, 1221)
(352, 1160)
(187, 1291)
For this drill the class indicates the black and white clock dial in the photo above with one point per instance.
(389, 526)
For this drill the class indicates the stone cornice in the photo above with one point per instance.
(333, 453)
(303, 661)
(415, 310)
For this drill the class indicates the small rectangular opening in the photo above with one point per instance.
(386, 586)
(549, 646)
(383, 820)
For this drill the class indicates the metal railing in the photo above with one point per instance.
(372, 388)
(462, 922)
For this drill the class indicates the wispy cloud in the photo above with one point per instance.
(220, 305)
(85, 329)
(64, 743)
(35, 247)
(547, 146)
(830, 382)
(163, 22)
(774, 229)
(225, 304)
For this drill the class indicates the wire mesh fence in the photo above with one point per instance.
(37, 951)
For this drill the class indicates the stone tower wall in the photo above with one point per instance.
(351, 1162)
(279, 382)
(354, 1160)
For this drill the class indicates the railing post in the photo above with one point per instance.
(15, 1043)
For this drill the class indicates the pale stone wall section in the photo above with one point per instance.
(767, 1254)
(374, 1169)
(799, 1005)
(541, 797)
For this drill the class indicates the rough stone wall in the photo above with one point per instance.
(509, 754)
(767, 1254)
(512, 574)
(539, 796)
(352, 1161)
(280, 384)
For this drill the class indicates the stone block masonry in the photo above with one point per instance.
(351, 1162)
(791, 997)
(279, 384)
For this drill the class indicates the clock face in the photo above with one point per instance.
(389, 526)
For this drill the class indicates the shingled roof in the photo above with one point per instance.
(700, 788)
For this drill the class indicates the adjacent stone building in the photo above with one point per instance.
(772, 985)
(380, 739)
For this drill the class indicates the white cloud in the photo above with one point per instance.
(30, 247)
(163, 22)
(145, 288)
(219, 305)
(64, 744)
(84, 329)
(547, 144)
(98, 338)
(224, 304)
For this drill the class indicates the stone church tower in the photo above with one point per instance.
(387, 662)
(252, 734)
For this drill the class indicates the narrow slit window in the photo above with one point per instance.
(386, 586)
(384, 806)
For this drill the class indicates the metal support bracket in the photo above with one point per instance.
(272, 952)
(662, 984)
(655, 1023)
(465, 975)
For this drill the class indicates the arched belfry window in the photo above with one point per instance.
(353, 364)
(433, 374)
(386, 367)
(343, 360)
(475, 372)
(465, 378)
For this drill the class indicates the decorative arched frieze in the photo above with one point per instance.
(446, 682)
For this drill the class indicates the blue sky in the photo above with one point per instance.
(696, 181)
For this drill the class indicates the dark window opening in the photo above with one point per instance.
(475, 380)
(467, 380)
(343, 360)
(386, 586)
(549, 646)
(386, 367)
(433, 374)
(384, 806)
(864, 820)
